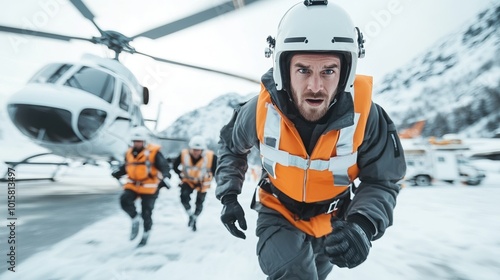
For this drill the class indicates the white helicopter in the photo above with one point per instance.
(85, 110)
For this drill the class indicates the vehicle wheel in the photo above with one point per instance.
(423, 180)
(473, 182)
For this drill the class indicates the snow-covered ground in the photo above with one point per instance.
(439, 232)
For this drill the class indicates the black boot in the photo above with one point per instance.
(194, 225)
(192, 221)
(144, 239)
(135, 227)
(191, 217)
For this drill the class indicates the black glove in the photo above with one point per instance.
(232, 212)
(348, 244)
(117, 174)
(164, 183)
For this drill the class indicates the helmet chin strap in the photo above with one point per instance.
(289, 94)
(332, 103)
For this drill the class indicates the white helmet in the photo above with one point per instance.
(198, 143)
(140, 133)
(316, 26)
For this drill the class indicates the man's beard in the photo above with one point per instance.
(312, 114)
(136, 151)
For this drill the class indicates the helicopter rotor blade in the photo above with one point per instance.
(194, 19)
(118, 42)
(201, 68)
(172, 139)
(85, 12)
(42, 34)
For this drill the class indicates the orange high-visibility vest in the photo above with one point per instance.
(142, 174)
(197, 175)
(321, 176)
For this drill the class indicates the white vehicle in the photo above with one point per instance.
(443, 161)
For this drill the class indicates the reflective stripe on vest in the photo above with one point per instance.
(200, 170)
(148, 162)
(338, 165)
(140, 184)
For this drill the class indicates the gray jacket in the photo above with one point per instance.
(380, 157)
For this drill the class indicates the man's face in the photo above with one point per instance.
(138, 144)
(195, 153)
(314, 79)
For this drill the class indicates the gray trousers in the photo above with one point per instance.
(285, 252)
(147, 202)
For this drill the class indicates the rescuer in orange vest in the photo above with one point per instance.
(144, 166)
(317, 131)
(198, 166)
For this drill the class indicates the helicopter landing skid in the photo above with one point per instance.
(26, 161)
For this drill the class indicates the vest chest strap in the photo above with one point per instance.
(305, 211)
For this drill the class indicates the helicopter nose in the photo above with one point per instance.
(43, 123)
(53, 125)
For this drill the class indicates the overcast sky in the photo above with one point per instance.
(396, 31)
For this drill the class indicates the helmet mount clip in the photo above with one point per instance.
(315, 2)
(269, 50)
(361, 45)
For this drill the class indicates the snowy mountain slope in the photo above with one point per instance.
(455, 85)
(208, 120)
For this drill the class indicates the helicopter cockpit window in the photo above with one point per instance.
(94, 81)
(125, 97)
(51, 73)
